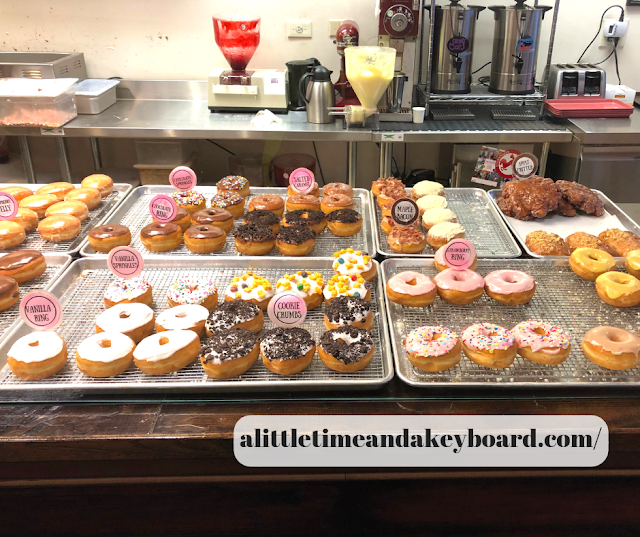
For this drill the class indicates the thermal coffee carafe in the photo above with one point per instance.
(515, 48)
(319, 95)
(453, 47)
(297, 69)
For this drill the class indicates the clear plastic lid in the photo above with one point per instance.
(94, 87)
(29, 87)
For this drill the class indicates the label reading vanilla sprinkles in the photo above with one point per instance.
(125, 262)
(287, 310)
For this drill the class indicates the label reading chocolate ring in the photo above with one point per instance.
(405, 212)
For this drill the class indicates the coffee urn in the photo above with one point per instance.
(515, 48)
(453, 47)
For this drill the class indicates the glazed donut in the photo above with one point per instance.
(432, 201)
(388, 224)
(433, 348)
(252, 288)
(489, 345)
(384, 182)
(251, 239)
(412, 289)
(230, 201)
(23, 265)
(37, 355)
(295, 240)
(267, 202)
(18, 192)
(189, 200)
(618, 289)
(407, 240)
(38, 203)
(287, 351)
(390, 194)
(159, 237)
(510, 287)
(122, 291)
(348, 311)
(349, 263)
(459, 286)
(59, 228)
(346, 349)
(632, 263)
(542, 342)
(331, 189)
(73, 208)
(213, 217)
(201, 291)
(105, 354)
(106, 238)
(441, 263)
(59, 190)
(9, 292)
(235, 314)
(305, 284)
(262, 218)
(302, 201)
(426, 188)
(589, 263)
(26, 218)
(166, 352)
(89, 196)
(612, 348)
(344, 222)
(335, 202)
(133, 320)
(312, 219)
(229, 354)
(443, 233)
(204, 239)
(11, 234)
(184, 317)
(293, 191)
(103, 183)
(434, 216)
(183, 219)
(342, 285)
(234, 183)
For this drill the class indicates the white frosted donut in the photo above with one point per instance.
(36, 347)
(105, 347)
(348, 262)
(431, 201)
(152, 349)
(132, 319)
(183, 317)
(426, 188)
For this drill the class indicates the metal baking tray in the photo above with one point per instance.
(134, 213)
(609, 206)
(95, 218)
(561, 298)
(81, 289)
(482, 224)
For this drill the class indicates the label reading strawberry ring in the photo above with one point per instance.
(183, 178)
(287, 310)
(404, 212)
(8, 206)
(459, 254)
(163, 208)
(302, 180)
(125, 262)
(41, 311)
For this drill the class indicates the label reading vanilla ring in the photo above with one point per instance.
(287, 310)
(41, 311)
(405, 212)
(125, 262)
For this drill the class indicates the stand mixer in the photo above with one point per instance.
(236, 89)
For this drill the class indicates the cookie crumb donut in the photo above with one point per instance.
(74, 208)
(426, 188)
(441, 263)
(159, 237)
(459, 286)
(123, 291)
(335, 202)
(295, 240)
(105, 238)
(346, 349)
(612, 348)
(252, 288)
(26, 218)
(18, 192)
(103, 183)
(350, 262)
(105, 354)
(315, 220)
(166, 352)
(230, 201)
(267, 202)
(580, 239)
(407, 240)
(183, 317)
(305, 284)
(618, 289)
(510, 287)
(23, 265)
(431, 202)
(235, 314)
(331, 189)
(252, 239)
(412, 289)
(11, 234)
(38, 203)
(302, 201)
(589, 263)
(229, 354)
(443, 233)
(348, 311)
(293, 191)
(190, 200)
(9, 292)
(133, 320)
(37, 355)
(182, 219)
(262, 218)
(632, 262)
(341, 285)
(489, 345)
(433, 348)
(213, 217)
(287, 351)
(234, 183)
(204, 239)
(344, 222)
(59, 190)
(620, 242)
(89, 196)
(542, 342)
(201, 291)
(431, 217)
(59, 228)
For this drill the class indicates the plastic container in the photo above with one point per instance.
(588, 108)
(164, 152)
(95, 95)
(37, 102)
(158, 174)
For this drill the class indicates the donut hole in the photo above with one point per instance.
(204, 228)
(412, 282)
(105, 343)
(492, 334)
(34, 344)
(124, 315)
(593, 257)
(436, 336)
(540, 331)
(109, 228)
(164, 340)
(616, 337)
(510, 278)
(181, 314)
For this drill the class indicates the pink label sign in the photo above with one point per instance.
(125, 262)
(40, 310)
(287, 309)
(8, 206)
(163, 208)
(459, 254)
(405, 212)
(183, 178)
(302, 180)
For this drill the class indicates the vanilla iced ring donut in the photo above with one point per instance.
(459, 286)
(348, 311)
(433, 348)
(354, 285)
(228, 354)
(37, 355)
(127, 291)
(612, 348)
(133, 320)
(166, 352)
(511, 287)
(250, 287)
(346, 349)
(306, 284)
(105, 354)
(193, 291)
(489, 345)
(349, 262)
(411, 289)
(542, 342)
(589, 263)
(183, 317)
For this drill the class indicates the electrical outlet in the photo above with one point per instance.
(613, 28)
(334, 24)
(298, 28)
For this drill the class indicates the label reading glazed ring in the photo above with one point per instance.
(41, 311)
(183, 178)
(287, 310)
(405, 212)
(125, 262)
(459, 254)
(163, 208)
(8, 206)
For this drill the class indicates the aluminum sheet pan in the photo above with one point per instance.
(561, 298)
(81, 289)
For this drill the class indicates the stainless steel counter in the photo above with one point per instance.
(601, 131)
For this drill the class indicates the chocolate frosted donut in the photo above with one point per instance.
(344, 216)
(253, 233)
(295, 235)
(286, 343)
(302, 217)
(181, 213)
(204, 232)
(228, 345)
(347, 344)
(157, 229)
(211, 216)
(229, 315)
(337, 188)
(18, 259)
(9, 292)
(108, 231)
(261, 217)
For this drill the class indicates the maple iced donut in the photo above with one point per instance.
(190, 200)
(618, 289)
(182, 219)
(59, 228)
(344, 222)
(346, 349)
(250, 287)
(287, 351)
(542, 342)
(293, 191)
(433, 348)
(331, 189)
(235, 314)
(184, 317)
(229, 354)
(236, 184)
(11, 234)
(105, 354)
(123, 291)
(26, 218)
(74, 208)
(107, 237)
(230, 201)
(489, 345)
(354, 285)
(315, 220)
(38, 203)
(267, 202)
(9, 292)
(350, 262)
(441, 263)
(166, 352)
(510, 287)
(200, 291)
(213, 217)
(23, 265)
(612, 348)
(102, 182)
(459, 286)
(159, 237)
(262, 218)
(589, 263)
(348, 311)
(412, 289)
(37, 355)
(305, 202)
(89, 196)
(59, 190)
(133, 320)
(305, 284)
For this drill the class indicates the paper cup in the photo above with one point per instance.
(418, 114)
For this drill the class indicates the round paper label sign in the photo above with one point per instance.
(405, 212)
(40, 310)
(525, 166)
(287, 309)
(459, 254)
(183, 178)
(163, 208)
(302, 180)
(504, 164)
(457, 45)
(125, 262)
(8, 206)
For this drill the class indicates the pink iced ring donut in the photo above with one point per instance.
(487, 337)
(542, 342)
(459, 280)
(400, 283)
(505, 282)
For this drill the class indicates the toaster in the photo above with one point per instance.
(571, 80)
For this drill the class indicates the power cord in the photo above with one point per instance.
(600, 27)
(615, 55)
(315, 150)
(481, 68)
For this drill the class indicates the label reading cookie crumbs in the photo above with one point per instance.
(8, 206)
(302, 180)
(459, 254)
(405, 212)
(41, 311)
(163, 208)
(183, 178)
(287, 310)
(125, 262)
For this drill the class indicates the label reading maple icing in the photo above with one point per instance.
(525, 166)
(163, 208)
(459, 254)
(8, 206)
(41, 311)
(125, 262)
(287, 310)
(405, 212)
(183, 178)
(302, 180)
(504, 165)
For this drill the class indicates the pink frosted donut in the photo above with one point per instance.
(506, 282)
(423, 341)
(459, 280)
(399, 283)
(551, 341)
(487, 337)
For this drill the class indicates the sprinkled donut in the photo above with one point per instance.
(193, 291)
(231, 201)
(234, 183)
(250, 287)
(127, 291)
(489, 345)
(411, 289)
(306, 284)
(349, 262)
(433, 348)
(542, 342)
(190, 200)
(346, 349)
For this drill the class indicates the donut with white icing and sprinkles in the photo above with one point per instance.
(354, 285)
(308, 285)
(349, 262)
(250, 287)
(123, 291)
